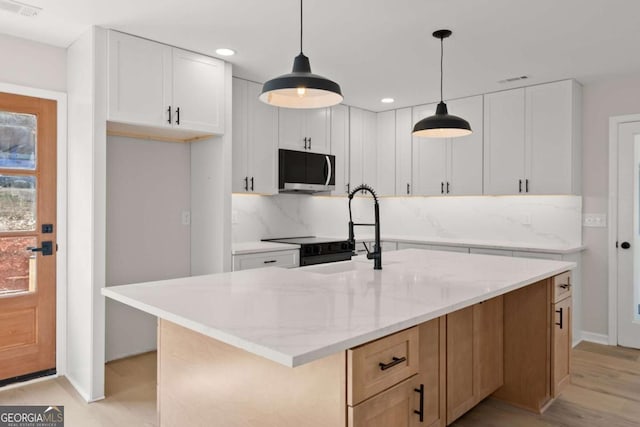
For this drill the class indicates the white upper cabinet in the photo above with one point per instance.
(386, 155)
(340, 147)
(504, 142)
(532, 140)
(449, 166)
(404, 127)
(155, 85)
(363, 148)
(305, 129)
(552, 138)
(255, 141)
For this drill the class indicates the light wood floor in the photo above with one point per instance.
(605, 391)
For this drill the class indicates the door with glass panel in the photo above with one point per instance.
(27, 236)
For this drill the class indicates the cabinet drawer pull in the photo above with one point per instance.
(309, 143)
(560, 312)
(394, 361)
(421, 411)
(178, 115)
(442, 188)
(447, 187)
(305, 142)
(565, 285)
(246, 183)
(408, 188)
(251, 183)
(271, 261)
(169, 111)
(526, 185)
(519, 186)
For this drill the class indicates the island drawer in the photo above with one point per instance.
(380, 364)
(561, 286)
(286, 259)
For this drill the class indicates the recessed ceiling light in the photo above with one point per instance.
(387, 100)
(223, 51)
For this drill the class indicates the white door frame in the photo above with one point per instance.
(614, 123)
(61, 207)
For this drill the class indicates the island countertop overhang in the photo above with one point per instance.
(297, 316)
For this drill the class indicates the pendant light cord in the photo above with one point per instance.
(441, 67)
(300, 26)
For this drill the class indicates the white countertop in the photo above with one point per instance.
(508, 246)
(300, 315)
(259, 247)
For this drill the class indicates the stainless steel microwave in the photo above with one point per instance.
(304, 172)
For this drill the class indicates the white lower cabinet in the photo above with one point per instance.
(285, 259)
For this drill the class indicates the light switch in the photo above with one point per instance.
(594, 220)
(186, 217)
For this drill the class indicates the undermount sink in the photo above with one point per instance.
(343, 267)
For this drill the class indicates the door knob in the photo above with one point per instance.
(625, 245)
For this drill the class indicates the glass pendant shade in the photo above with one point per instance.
(301, 88)
(442, 125)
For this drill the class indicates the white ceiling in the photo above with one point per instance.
(374, 48)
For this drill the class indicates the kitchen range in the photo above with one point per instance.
(319, 250)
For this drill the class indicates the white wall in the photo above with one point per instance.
(533, 221)
(601, 100)
(33, 64)
(147, 191)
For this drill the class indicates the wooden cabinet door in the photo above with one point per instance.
(429, 159)
(394, 407)
(404, 150)
(239, 168)
(488, 347)
(317, 129)
(560, 346)
(433, 343)
(460, 363)
(262, 143)
(386, 155)
(549, 128)
(198, 90)
(139, 87)
(504, 151)
(464, 159)
(340, 147)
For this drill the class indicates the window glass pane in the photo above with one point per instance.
(17, 140)
(18, 266)
(17, 203)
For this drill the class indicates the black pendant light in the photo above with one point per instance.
(301, 88)
(442, 124)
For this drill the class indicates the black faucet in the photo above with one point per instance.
(376, 254)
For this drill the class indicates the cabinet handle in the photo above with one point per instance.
(271, 261)
(565, 285)
(246, 183)
(169, 111)
(442, 188)
(305, 142)
(526, 185)
(447, 187)
(251, 183)
(394, 361)
(309, 143)
(408, 188)
(560, 312)
(178, 115)
(348, 188)
(519, 186)
(421, 411)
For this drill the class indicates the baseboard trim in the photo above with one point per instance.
(81, 391)
(595, 338)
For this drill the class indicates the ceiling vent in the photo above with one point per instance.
(19, 8)
(513, 79)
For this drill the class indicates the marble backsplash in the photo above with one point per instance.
(533, 221)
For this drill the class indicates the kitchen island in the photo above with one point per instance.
(339, 344)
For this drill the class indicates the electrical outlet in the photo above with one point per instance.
(594, 220)
(186, 217)
(526, 219)
(234, 217)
